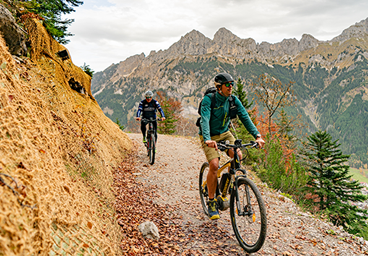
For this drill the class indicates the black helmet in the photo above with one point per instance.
(222, 78)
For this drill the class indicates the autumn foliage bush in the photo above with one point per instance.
(175, 122)
(276, 164)
(280, 172)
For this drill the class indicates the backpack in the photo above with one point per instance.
(212, 90)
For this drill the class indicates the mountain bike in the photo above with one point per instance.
(247, 209)
(151, 139)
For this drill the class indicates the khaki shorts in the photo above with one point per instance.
(211, 153)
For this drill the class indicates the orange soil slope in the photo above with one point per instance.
(57, 153)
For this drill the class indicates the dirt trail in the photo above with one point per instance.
(290, 231)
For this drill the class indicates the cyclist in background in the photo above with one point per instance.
(147, 108)
(215, 127)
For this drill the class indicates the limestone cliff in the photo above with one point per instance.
(228, 49)
(227, 46)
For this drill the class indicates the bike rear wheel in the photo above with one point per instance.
(147, 145)
(250, 224)
(152, 150)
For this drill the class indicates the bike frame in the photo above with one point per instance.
(150, 132)
(235, 166)
(241, 201)
(151, 138)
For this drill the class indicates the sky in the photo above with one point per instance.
(109, 31)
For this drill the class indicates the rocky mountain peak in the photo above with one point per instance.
(226, 43)
(356, 30)
(224, 34)
(194, 34)
(193, 43)
(307, 41)
(128, 66)
(230, 47)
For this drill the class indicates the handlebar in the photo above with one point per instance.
(150, 120)
(223, 145)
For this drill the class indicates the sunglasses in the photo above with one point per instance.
(228, 84)
(148, 98)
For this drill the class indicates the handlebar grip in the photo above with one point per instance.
(221, 147)
(150, 120)
(255, 144)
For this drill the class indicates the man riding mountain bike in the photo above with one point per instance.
(147, 108)
(214, 127)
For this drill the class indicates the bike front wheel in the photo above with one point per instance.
(203, 191)
(248, 215)
(148, 144)
(152, 150)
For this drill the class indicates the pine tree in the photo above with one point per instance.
(331, 182)
(86, 68)
(172, 109)
(241, 94)
(284, 124)
(238, 128)
(121, 127)
(168, 125)
(51, 11)
(286, 130)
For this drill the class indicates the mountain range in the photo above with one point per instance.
(330, 78)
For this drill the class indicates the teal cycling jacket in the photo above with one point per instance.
(220, 120)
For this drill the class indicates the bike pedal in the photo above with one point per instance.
(226, 205)
(223, 203)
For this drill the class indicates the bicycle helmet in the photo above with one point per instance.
(222, 78)
(148, 94)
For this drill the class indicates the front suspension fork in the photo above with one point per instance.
(242, 212)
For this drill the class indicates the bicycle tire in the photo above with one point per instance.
(203, 192)
(152, 150)
(148, 143)
(246, 227)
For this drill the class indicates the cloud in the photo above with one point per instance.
(113, 30)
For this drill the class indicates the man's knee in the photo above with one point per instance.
(240, 154)
(214, 164)
(230, 153)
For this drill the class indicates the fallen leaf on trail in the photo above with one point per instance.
(21, 166)
(89, 225)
